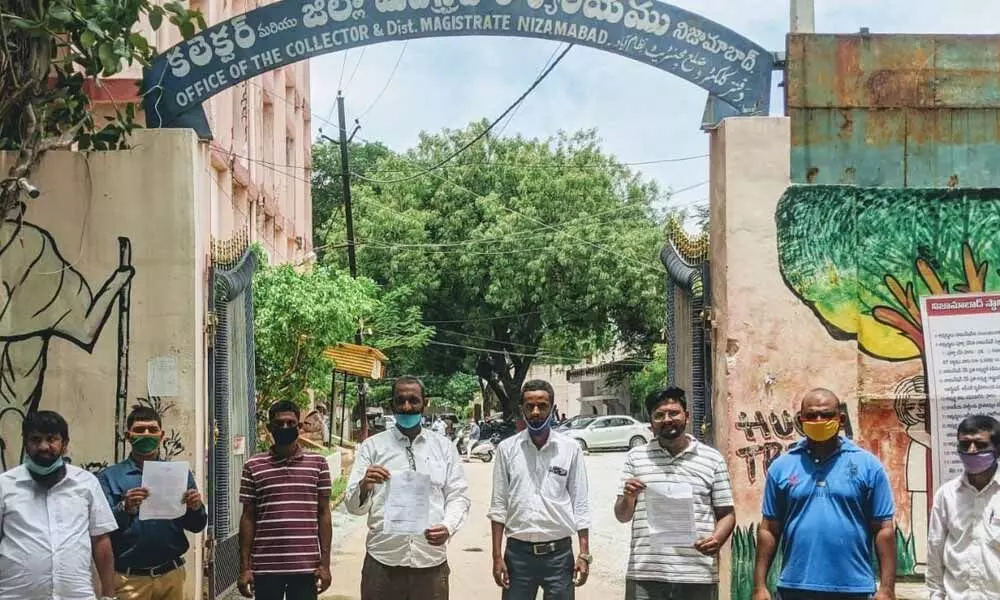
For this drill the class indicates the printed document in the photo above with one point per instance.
(670, 515)
(407, 504)
(167, 482)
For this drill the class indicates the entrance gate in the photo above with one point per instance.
(734, 71)
(232, 407)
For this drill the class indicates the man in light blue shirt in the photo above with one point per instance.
(827, 499)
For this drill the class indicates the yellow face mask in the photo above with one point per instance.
(821, 431)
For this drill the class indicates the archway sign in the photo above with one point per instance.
(734, 70)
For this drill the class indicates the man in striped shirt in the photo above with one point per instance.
(675, 465)
(286, 525)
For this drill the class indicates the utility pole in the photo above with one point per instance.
(345, 177)
(352, 263)
(802, 16)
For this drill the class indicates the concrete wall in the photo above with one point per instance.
(261, 164)
(816, 285)
(108, 265)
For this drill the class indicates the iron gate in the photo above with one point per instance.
(232, 407)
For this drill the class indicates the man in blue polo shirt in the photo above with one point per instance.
(149, 561)
(826, 500)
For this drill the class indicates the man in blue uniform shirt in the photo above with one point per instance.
(826, 499)
(149, 561)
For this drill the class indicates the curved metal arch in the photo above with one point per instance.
(730, 67)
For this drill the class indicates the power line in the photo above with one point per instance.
(484, 319)
(545, 66)
(489, 128)
(385, 87)
(357, 66)
(571, 359)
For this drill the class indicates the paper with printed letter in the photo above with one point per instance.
(407, 504)
(670, 515)
(167, 482)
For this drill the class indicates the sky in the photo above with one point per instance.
(641, 113)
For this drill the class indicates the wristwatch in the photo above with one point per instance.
(587, 558)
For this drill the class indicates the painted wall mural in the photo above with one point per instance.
(860, 258)
(44, 296)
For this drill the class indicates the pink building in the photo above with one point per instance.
(261, 163)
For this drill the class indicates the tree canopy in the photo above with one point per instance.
(299, 313)
(517, 250)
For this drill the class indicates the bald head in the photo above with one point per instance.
(820, 403)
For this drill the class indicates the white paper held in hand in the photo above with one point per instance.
(407, 504)
(166, 481)
(670, 515)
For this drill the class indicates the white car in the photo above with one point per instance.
(614, 431)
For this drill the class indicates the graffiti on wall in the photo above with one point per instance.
(860, 259)
(44, 297)
(766, 438)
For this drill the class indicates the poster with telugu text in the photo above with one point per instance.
(961, 334)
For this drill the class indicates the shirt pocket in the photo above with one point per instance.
(554, 483)
(437, 474)
(72, 513)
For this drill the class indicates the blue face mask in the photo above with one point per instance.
(43, 470)
(539, 430)
(407, 421)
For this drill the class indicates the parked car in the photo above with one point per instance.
(573, 422)
(612, 431)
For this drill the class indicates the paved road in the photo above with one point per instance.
(469, 552)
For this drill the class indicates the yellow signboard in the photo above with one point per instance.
(360, 361)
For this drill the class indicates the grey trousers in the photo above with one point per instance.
(660, 590)
(553, 573)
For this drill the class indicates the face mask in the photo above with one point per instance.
(284, 436)
(145, 444)
(821, 431)
(407, 421)
(43, 470)
(977, 463)
(539, 429)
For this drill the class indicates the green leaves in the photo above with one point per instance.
(95, 38)
(298, 314)
(518, 250)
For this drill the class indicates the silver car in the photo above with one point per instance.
(612, 431)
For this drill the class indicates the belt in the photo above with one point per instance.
(155, 571)
(543, 548)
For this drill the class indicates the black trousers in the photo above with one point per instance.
(790, 594)
(294, 586)
(528, 571)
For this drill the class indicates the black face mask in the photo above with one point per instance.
(284, 436)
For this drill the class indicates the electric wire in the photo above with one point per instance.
(487, 130)
(388, 81)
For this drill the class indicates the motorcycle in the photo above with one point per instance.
(481, 449)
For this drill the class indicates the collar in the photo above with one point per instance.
(525, 438)
(993, 482)
(20, 474)
(692, 446)
(297, 454)
(399, 436)
(846, 445)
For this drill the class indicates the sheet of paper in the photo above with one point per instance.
(166, 481)
(161, 377)
(407, 503)
(670, 515)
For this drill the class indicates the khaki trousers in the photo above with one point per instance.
(169, 586)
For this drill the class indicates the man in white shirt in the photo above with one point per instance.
(697, 471)
(963, 544)
(539, 502)
(399, 566)
(54, 520)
